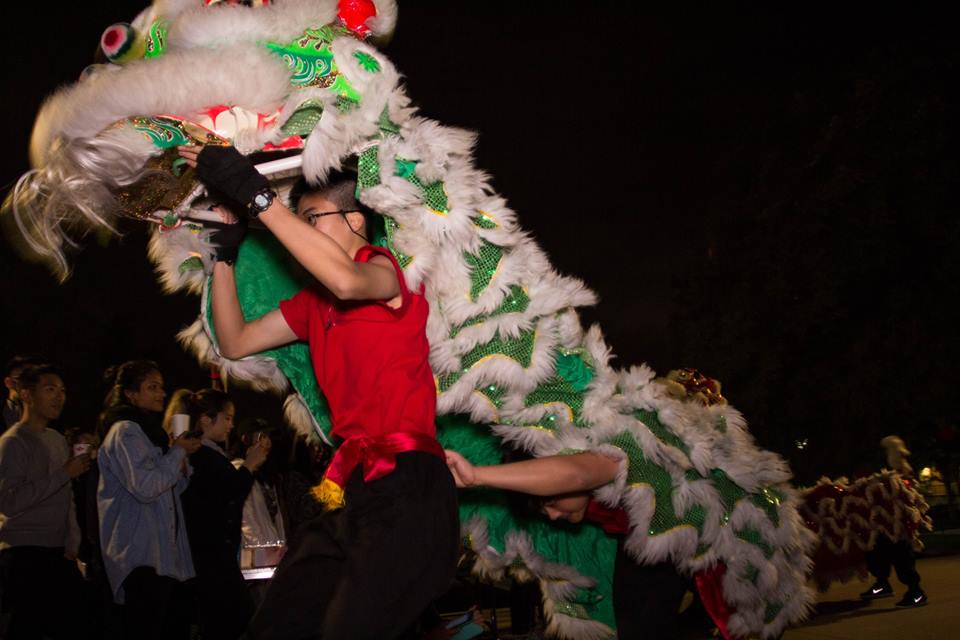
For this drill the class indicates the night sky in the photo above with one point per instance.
(769, 198)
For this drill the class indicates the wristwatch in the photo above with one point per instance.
(261, 202)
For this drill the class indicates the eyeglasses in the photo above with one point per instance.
(311, 218)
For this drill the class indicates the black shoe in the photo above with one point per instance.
(880, 589)
(914, 597)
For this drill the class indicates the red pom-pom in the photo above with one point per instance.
(355, 13)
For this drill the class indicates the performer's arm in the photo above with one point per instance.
(328, 262)
(236, 336)
(231, 173)
(548, 476)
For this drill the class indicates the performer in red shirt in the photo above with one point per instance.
(368, 569)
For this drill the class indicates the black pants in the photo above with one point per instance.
(224, 603)
(368, 570)
(155, 607)
(646, 598)
(42, 595)
(887, 553)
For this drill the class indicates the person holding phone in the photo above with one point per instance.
(264, 536)
(213, 508)
(146, 553)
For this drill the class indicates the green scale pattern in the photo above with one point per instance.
(483, 267)
(368, 168)
(304, 119)
(642, 471)
(557, 390)
(768, 499)
(494, 394)
(516, 301)
(519, 349)
(390, 227)
(434, 195)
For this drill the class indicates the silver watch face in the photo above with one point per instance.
(261, 200)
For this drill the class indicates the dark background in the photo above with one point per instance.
(767, 197)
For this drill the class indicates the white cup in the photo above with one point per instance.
(180, 423)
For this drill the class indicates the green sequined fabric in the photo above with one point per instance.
(556, 390)
(483, 267)
(304, 119)
(390, 228)
(434, 194)
(643, 472)
(368, 169)
(516, 301)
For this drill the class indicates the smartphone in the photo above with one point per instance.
(82, 448)
(460, 620)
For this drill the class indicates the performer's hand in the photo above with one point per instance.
(227, 172)
(224, 239)
(464, 473)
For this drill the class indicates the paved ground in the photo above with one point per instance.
(841, 615)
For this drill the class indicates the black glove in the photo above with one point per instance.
(229, 173)
(224, 240)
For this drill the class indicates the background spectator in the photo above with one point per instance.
(142, 534)
(11, 405)
(213, 507)
(39, 535)
(264, 531)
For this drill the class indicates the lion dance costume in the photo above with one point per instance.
(300, 86)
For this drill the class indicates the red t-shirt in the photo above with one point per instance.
(370, 360)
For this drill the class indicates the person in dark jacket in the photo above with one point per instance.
(213, 509)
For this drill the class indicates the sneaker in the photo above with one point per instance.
(880, 589)
(914, 597)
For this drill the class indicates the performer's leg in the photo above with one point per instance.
(401, 553)
(905, 564)
(878, 563)
(878, 559)
(296, 600)
(646, 598)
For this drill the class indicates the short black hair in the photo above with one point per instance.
(18, 363)
(29, 378)
(340, 189)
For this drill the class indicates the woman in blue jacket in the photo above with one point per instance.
(146, 553)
